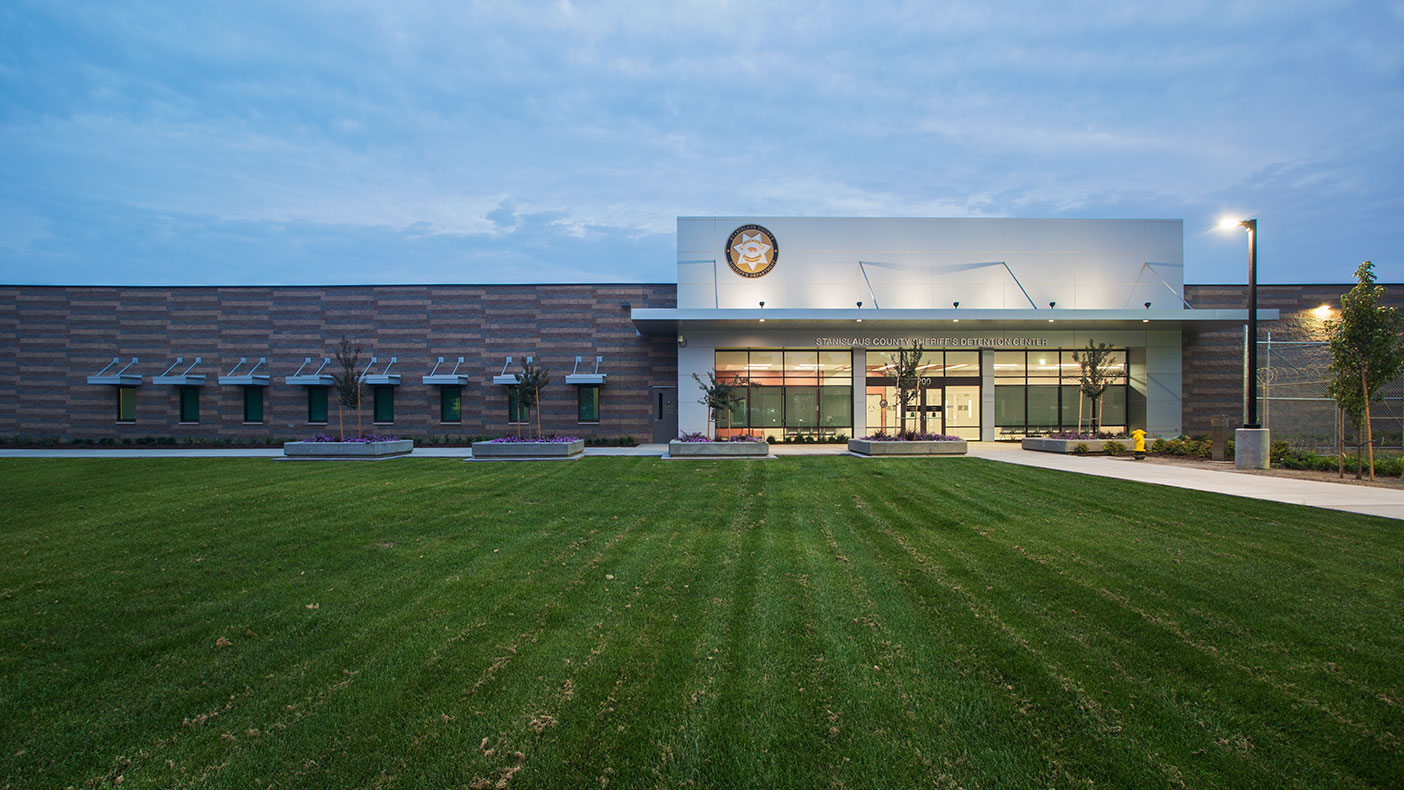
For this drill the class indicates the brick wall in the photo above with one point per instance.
(53, 337)
(1213, 361)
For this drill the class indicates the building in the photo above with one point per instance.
(808, 310)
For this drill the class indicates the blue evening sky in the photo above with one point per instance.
(404, 141)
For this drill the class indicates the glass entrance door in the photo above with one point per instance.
(947, 403)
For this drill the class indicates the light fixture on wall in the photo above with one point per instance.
(860, 307)
(1051, 305)
(682, 342)
(955, 305)
(1146, 320)
(762, 304)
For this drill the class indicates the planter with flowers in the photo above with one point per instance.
(1067, 443)
(515, 448)
(324, 447)
(699, 445)
(907, 443)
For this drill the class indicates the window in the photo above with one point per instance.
(1039, 392)
(384, 397)
(253, 404)
(189, 404)
(317, 405)
(451, 404)
(515, 412)
(126, 404)
(788, 393)
(587, 398)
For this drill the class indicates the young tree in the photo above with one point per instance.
(347, 381)
(905, 372)
(1366, 350)
(1095, 377)
(530, 382)
(720, 395)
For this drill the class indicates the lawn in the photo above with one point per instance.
(630, 622)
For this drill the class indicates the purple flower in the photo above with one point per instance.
(910, 436)
(523, 440)
(702, 437)
(326, 437)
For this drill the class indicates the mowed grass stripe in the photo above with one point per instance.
(1030, 628)
(1097, 631)
(473, 681)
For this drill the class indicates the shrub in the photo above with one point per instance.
(1081, 449)
(1114, 448)
(1160, 445)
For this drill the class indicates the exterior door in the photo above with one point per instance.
(929, 407)
(665, 414)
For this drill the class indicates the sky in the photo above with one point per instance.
(424, 142)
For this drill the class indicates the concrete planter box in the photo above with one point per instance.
(679, 449)
(1066, 446)
(329, 451)
(528, 449)
(866, 447)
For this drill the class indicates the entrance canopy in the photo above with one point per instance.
(860, 323)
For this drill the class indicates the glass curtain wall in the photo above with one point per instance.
(789, 393)
(947, 402)
(1038, 393)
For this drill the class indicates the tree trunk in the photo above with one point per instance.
(1079, 410)
(1340, 441)
(360, 432)
(341, 420)
(538, 413)
(1369, 440)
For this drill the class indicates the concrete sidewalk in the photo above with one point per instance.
(1369, 500)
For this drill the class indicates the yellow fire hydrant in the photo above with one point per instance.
(1138, 447)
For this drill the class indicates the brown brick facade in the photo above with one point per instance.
(56, 336)
(53, 337)
(1212, 363)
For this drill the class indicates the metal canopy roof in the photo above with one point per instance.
(249, 378)
(451, 379)
(384, 377)
(666, 320)
(184, 379)
(121, 378)
(586, 378)
(314, 379)
(505, 378)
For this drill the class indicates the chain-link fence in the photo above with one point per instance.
(1294, 405)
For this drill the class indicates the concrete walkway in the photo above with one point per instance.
(1368, 500)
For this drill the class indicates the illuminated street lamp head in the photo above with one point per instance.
(1229, 223)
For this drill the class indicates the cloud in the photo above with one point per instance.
(421, 129)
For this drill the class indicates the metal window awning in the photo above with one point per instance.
(249, 378)
(121, 378)
(384, 377)
(451, 379)
(314, 379)
(183, 379)
(586, 378)
(509, 379)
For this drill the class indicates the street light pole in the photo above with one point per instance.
(1252, 226)
(1252, 446)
